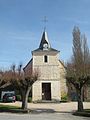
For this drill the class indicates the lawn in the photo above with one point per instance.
(85, 112)
(8, 107)
(12, 109)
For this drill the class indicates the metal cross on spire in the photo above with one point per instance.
(45, 21)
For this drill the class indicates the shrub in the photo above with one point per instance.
(29, 99)
(18, 97)
(64, 97)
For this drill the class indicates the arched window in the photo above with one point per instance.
(45, 58)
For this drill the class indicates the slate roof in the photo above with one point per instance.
(50, 49)
(44, 40)
(28, 63)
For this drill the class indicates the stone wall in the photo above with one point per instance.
(63, 85)
(55, 90)
(52, 71)
(88, 92)
(49, 70)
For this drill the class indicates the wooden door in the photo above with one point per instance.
(46, 91)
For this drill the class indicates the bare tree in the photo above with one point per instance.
(78, 69)
(20, 80)
(23, 82)
(4, 79)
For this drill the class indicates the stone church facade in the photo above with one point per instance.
(51, 84)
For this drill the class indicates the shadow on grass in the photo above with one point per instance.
(85, 113)
(15, 109)
(12, 109)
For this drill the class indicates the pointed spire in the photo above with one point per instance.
(44, 44)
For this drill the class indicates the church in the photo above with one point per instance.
(51, 84)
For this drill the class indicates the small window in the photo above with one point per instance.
(45, 58)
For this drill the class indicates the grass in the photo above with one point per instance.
(8, 107)
(87, 110)
(85, 113)
(12, 109)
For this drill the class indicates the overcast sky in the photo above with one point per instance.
(21, 27)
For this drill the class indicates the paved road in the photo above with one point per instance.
(43, 116)
(46, 112)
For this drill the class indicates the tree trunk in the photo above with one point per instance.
(25, 98)
(79, 99)
(24, 101)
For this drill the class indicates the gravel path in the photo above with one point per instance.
(58, 107)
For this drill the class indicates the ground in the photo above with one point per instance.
(57, 107)
(43, 116)
(46, 111)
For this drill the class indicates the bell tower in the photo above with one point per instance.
(45, 58)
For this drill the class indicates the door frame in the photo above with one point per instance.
(46, 91)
